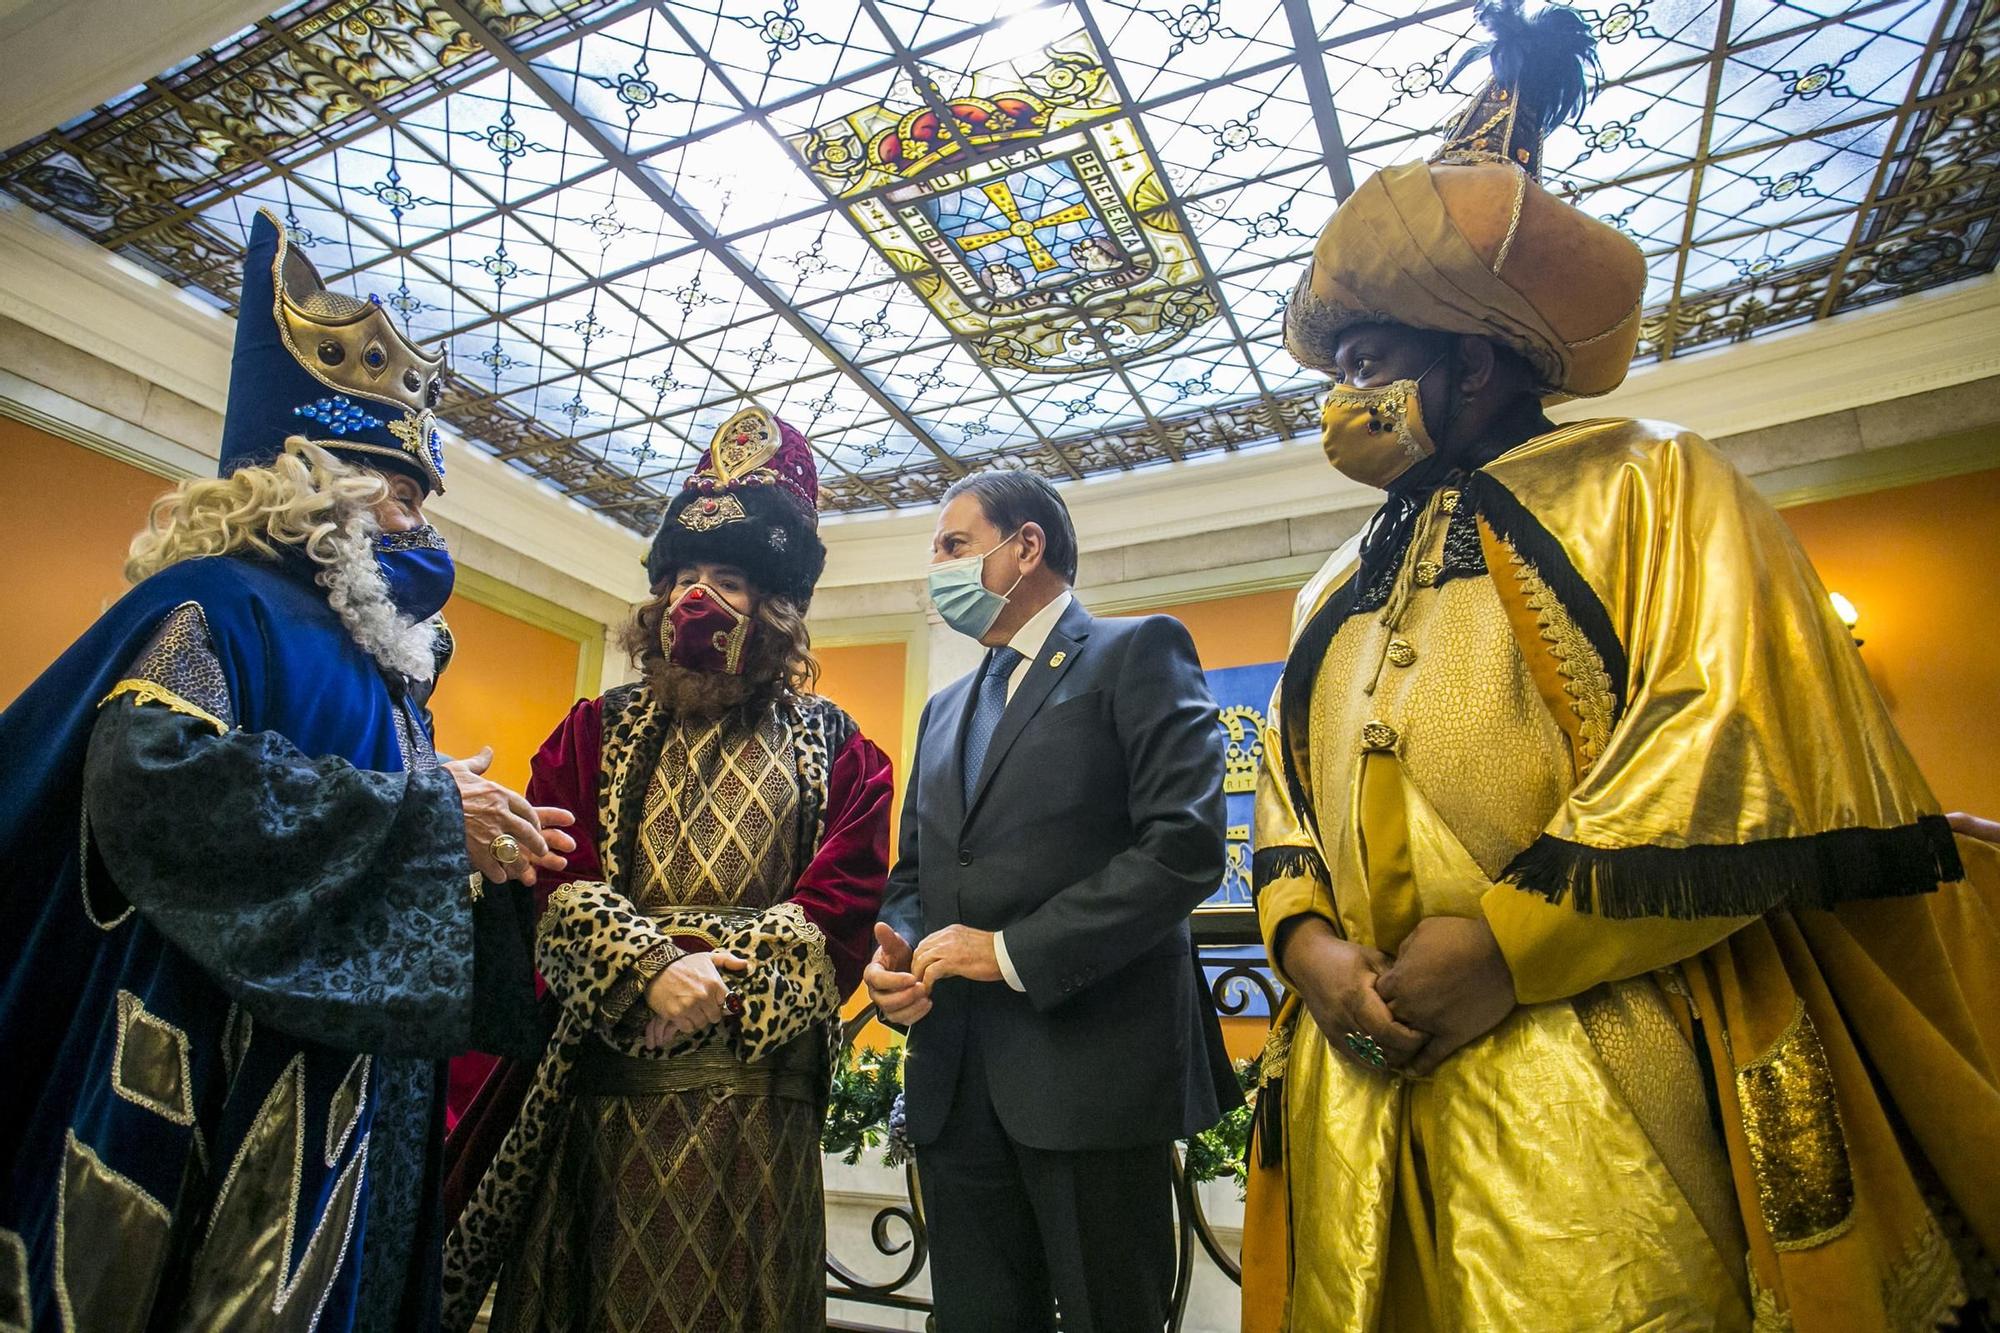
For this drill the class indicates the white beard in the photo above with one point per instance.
(359, 595)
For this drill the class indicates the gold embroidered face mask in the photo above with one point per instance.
(1375, 435)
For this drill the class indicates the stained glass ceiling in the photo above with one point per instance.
(939, 234)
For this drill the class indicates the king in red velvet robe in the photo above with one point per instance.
(699, 1161)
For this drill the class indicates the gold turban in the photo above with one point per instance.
(1469, 242)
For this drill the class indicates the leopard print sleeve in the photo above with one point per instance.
(623, 1012)
(599, 953)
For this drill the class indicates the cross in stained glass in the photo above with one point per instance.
(1041, 215)
(1023, 229)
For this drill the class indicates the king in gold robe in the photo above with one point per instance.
(1589, 692)
(1751, 1079)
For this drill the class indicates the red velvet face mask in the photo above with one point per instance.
(703, 632)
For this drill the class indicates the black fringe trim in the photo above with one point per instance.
(1270, 1123)
(1817, 871)
(1269, 863)
(1521, 530)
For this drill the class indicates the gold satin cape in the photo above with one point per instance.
(1738, 846)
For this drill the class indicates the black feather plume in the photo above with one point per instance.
(1550, 61)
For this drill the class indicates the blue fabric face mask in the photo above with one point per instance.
(418, 570)
(959, 592)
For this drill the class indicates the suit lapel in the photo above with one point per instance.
(1058, 655)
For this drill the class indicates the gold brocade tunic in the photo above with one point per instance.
(1434, 763)
(685, 1193)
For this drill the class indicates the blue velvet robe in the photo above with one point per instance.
(238, 946)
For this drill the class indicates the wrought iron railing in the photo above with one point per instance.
(897, 1229)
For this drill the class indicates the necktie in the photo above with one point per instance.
(989, 703)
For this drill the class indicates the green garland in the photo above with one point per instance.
(866, 1085)
(865, 1113)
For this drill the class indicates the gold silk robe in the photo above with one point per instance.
(1602, 701)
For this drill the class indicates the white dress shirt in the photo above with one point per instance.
(1028, 641)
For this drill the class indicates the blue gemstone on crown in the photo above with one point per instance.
(339, 414)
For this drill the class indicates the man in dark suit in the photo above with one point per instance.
(1064, 815)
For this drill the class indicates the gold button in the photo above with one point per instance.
(1427, 572)
(1378, 736)
(1401, 653)
(1449, 502)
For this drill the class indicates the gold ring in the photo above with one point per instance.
(505, 850)
(1367, 1049)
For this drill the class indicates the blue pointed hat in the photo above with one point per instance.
(318, 364)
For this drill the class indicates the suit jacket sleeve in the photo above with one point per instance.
(1165, 720)
(901, 908)
(842, 887)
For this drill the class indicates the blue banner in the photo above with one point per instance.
(1242, 696)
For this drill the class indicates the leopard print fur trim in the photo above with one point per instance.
(633, 730)
(490, 1227)
(589, 938)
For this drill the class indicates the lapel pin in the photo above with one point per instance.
(1057, 660)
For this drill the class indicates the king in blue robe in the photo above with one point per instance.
(244, 928)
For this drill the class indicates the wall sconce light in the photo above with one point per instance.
(1850, 616)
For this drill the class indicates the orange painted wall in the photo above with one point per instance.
(867, 680)
(1237, 631)
(71, 512)
(508, 685)
(1919, 564)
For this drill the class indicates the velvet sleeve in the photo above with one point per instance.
(841, 890)
(330, 900)
(564, 774)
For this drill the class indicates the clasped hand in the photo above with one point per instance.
(1448, 986)
(900, 978)
(491, 810)
(689, 994)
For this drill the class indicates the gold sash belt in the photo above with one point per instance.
(796, 1072)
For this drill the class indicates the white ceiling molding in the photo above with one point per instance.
(60, 58)
(1922, 342)
(1928, 341)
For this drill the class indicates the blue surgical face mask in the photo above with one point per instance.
(959, 592)
(418, 570)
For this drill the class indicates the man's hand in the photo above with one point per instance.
(892, 985)
(1972, 826)
(491, 810)
(1451, 980)
(689, 994)
(1337, 980)
(956, 951)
